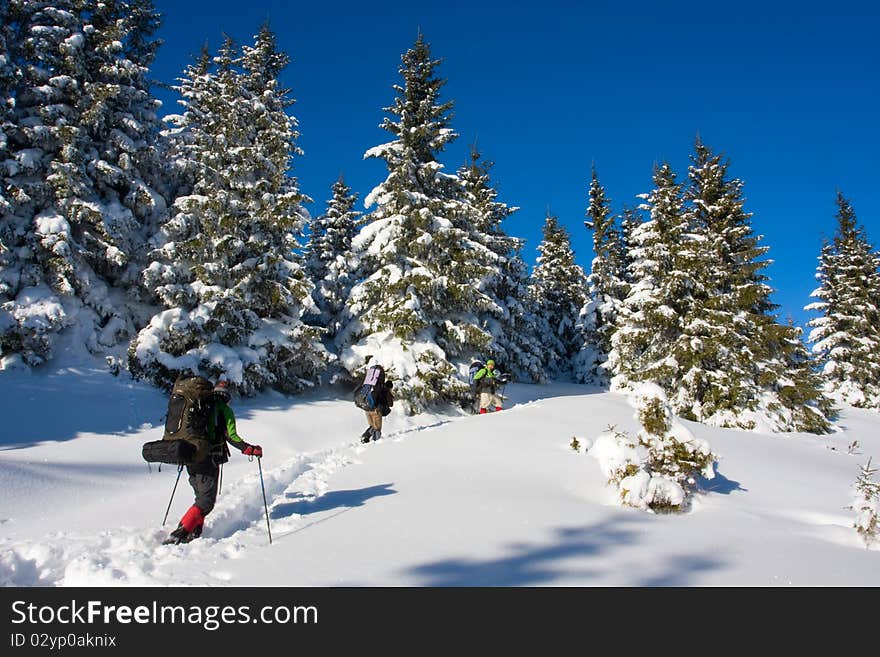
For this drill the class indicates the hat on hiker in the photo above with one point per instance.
(221, 389)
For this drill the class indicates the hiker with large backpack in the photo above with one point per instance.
(475, 367)
(487, 381)
(374, 397)
(199, 425)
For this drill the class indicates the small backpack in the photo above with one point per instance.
(186, 439)
(365, 395)
(475, 367)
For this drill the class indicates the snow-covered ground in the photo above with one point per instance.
(443, 500)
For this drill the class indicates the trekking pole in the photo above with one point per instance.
(220, 484)
(265, 506)
(173, 490)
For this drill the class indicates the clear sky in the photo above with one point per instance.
(788, 91)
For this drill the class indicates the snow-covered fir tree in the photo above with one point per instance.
(511, 320)
(227, 266)
(607, 287)
(79, 172)
(750, 369)
(698, 320)
(559, 286)
(798, 381)
(647, 344)
(417, 310)
(730, 301)
(846, 337)
(330, 261)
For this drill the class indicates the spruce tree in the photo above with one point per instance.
(606, 284)
(797, 382)
(730, 301)
(647, 344)
(846, 337)
(420, 300)
(511, 317)
(607, 287)
(755, 364)
(330, 261)
(698, 321)
(80, 144)
(226, 266)
(559, 287)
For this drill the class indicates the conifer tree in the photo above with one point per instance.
(120, 120)
(846, 337)
(648, 345)
(559, 287)
(606, 284)
(607, 287)
(420, 299)
(79, 172)
(630, 220)
(330, 260)
(797, 382)
(511, 318)
(698, 319)
(226, 266)
(731, 301)
(755, 364)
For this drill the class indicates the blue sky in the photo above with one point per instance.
(787, 91)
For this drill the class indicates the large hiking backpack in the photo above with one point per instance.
(475, 367)
(365, 395)
(186, 439)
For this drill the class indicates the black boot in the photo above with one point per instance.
(376, 434)
(365, 436)
(179, 535)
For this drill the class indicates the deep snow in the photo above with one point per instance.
(445, 499)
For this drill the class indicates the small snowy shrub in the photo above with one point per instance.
(574, 444)
(675, 457)
(658, 471)
(866, 504)
(617, 455)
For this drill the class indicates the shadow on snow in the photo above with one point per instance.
(61, 405)
(304, 505)
(720, 484)
(549, 565)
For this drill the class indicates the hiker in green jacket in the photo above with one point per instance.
(204, 475)
(487, 380)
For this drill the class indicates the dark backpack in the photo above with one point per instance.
(475, 367)
(186, 439)
(366, 396)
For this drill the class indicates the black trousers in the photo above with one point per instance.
(203, 478)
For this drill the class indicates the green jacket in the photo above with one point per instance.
(222, 426)
(486, 379)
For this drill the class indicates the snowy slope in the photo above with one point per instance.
(442, 500)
